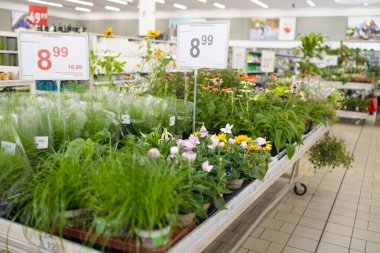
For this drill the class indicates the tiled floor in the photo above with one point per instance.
(339, 213)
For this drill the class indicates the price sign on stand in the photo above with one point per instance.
(53, 56)
(267, 61)
(203, 44)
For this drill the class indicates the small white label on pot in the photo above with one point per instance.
(172, 121)
(49, 244)
(126, 119)
(9, 147)
(41, 142)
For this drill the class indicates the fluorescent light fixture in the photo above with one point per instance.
(203, 1)
(218, 5)
(118, 2)
(311, 3)
(160, 1)
(259, 3)
(82, 9)
(180, 6)
(111, 8)
(45, 3)
(81, 2)
(365, 4)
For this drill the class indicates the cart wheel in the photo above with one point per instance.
(300, 189)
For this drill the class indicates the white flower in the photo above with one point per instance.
(260, 141)
(174, 151)
(207, 167)
(204, 131)
(194, 140)
(231, 141)
(227, 129)
(179, 142)
(187, 145)
(215, 142)
(222, 144)
(244, 145)
(154, 153)
(189, 156)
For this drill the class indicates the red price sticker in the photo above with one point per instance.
(44, 55)
(38, 15)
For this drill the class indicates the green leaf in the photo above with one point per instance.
(290, 150)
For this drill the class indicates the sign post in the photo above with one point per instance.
(202, 45)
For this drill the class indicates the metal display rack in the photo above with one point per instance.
(13, 235)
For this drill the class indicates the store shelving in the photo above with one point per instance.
(8, 49)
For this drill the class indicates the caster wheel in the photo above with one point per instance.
(301, 189)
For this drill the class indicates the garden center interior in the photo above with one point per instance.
(190, 126)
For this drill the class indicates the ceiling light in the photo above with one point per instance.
(111, 8)
(160, 1)
(203, 1)
(311, 3)
(180, 6)
(261, 4)
(218, 5)
(81, 2)
(82, 9)
(365, 4)
(118, 2)
(45, 3)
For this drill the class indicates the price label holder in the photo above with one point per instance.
(41, 142)
(267, 61)
(202, 45)
(172, 121)
(126, 119)
(9, 147)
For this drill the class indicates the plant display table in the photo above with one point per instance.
(18, 238)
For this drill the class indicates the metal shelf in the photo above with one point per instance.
(352, 115)
(16, 83)
(348, 86)
(8, 52)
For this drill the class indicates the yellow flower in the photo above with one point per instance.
(268, 146)
(108, 33)
(158, 53)
(240, 138)
(152, 34)
(222, 137)
(253, 147)
(197, 133)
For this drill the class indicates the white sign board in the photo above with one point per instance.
(267, 61)
(53, 56)
(147, 17)
(320, 63)
(331, 60)
(203, 44)
(287, 29)
(239, 58)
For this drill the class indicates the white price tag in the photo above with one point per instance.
(126, 119)
(172, 121)
(203, 44)
(53, 56)
(267, 61)
(9, 147)
(49, 244)
(41, 142)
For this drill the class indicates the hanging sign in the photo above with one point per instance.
(38, 15)
(53, 56)
(267, 61)
(147, 20)
(203, 44)
(239, 58)
(287, 30)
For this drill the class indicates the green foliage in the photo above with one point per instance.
(330, 152)
(311, 46)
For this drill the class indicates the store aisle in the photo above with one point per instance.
(339, 213)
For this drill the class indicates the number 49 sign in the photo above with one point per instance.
(53, 56)
(203, 44)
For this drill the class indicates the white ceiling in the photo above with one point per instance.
(197, 5)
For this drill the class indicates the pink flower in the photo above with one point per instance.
(215, 142)
(174, 151)
(187, 145)
(189, 156)
(244, 145)
(260, 141)
(179, 142)
(231, 141)
(154, 153)
(227, 129)
(207, 167)
(204, 131)
(194, 140)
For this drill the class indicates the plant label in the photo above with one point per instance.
(203, 44)
(172, 121)
(267, 61)
(41, 142)
(53, 56)
(9, 147)
(126, 119)
(49, 244)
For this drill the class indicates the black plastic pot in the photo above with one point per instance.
(308, 127)
(3, 208)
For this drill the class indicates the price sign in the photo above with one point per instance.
(38, 15)
(172, 121)
(330, 60)
(9, 147)
(41, 142)
(126, 119)
(203, 44)
(53, 56)
(267, 61)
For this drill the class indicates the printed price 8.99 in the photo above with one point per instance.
(196, 43)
